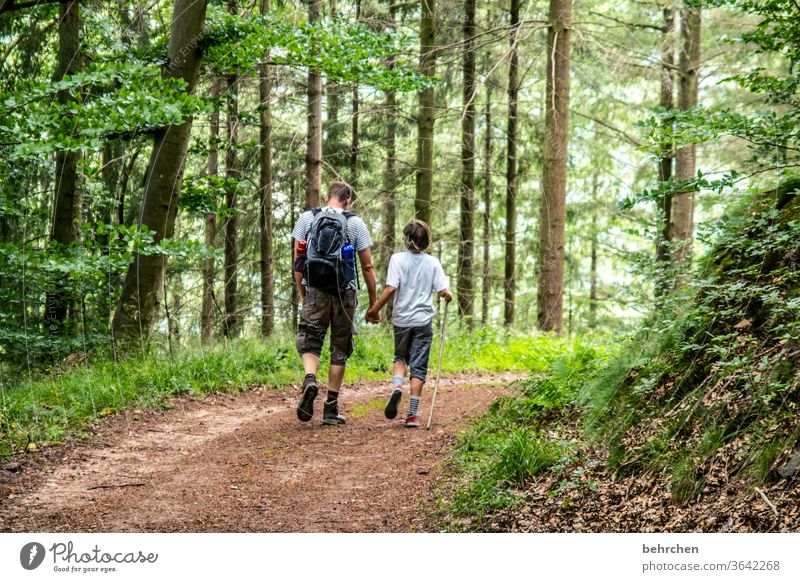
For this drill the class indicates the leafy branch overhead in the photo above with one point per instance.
(344, 51)
(109, 100)
(120, 98)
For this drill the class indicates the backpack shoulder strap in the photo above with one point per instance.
(348, 215)
(315, 211)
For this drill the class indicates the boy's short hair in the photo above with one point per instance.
(417, 236)
(342, 191)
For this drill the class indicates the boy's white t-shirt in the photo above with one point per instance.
(415, 276)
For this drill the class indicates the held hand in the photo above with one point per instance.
(446, 295)
(373, 316)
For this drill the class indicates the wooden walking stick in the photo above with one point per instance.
(439, 367)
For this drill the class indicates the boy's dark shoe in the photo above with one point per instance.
(305, 408)
(330, 414)
(390, 411)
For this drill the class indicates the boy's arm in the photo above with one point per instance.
(441, 284)
(388, 291)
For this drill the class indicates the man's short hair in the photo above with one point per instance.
(417, 236)
(342, 191)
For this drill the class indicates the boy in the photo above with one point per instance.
(413, 275)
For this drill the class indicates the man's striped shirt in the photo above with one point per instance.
(357, 233)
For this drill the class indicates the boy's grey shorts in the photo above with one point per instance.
(412, 346)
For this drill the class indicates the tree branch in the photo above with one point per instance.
(12, 5)
(630, 24)
(607, 125)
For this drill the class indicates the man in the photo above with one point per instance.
(323, 309)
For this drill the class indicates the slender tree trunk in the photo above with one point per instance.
(681, 231)
(67, 199)
(314, 128)
(333, 149)
(112, 152)
(665, 164)
(207, 307)
(487, 207)
(265, 158)
(355, 120)
(390, 192)
(138, 307)
(426, 114)
(294, 214)
(511, 170)
(466, 248)
(554, 176)
(230, 325)
(389, 180)
(354, 139)
(593, 277)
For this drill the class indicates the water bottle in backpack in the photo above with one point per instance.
(349, 260)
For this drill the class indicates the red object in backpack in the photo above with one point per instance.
(300, 250)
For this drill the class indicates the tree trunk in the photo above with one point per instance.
(138, 305)
(511, 170)
(207, 308)
(354, 140)
(425, 117)
(293, 215)
(332, 147)
(314, 129)
(665, 164)
(554, 172)
(354, 133)
(265, 158)
(230, 323)
(67, 199)
(681, 226)
(389, 181)
(466, 248)
(333, 150)
(487, 207)
(593, 277)
(112, 154)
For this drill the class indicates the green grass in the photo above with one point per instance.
(359, 410)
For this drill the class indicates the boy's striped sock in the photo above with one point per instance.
(413, 405)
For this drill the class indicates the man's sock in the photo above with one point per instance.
(397, 382)
(333, 396)
(413, 405)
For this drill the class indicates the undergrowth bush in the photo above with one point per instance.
(713, 379)
(507, 446)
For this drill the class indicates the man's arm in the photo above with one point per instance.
(368, 269)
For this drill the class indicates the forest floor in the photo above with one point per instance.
(244, 463)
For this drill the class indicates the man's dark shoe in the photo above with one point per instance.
(330, 414)
(305, 408)
(391, 406)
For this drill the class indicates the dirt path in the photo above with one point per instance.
(245, 463)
